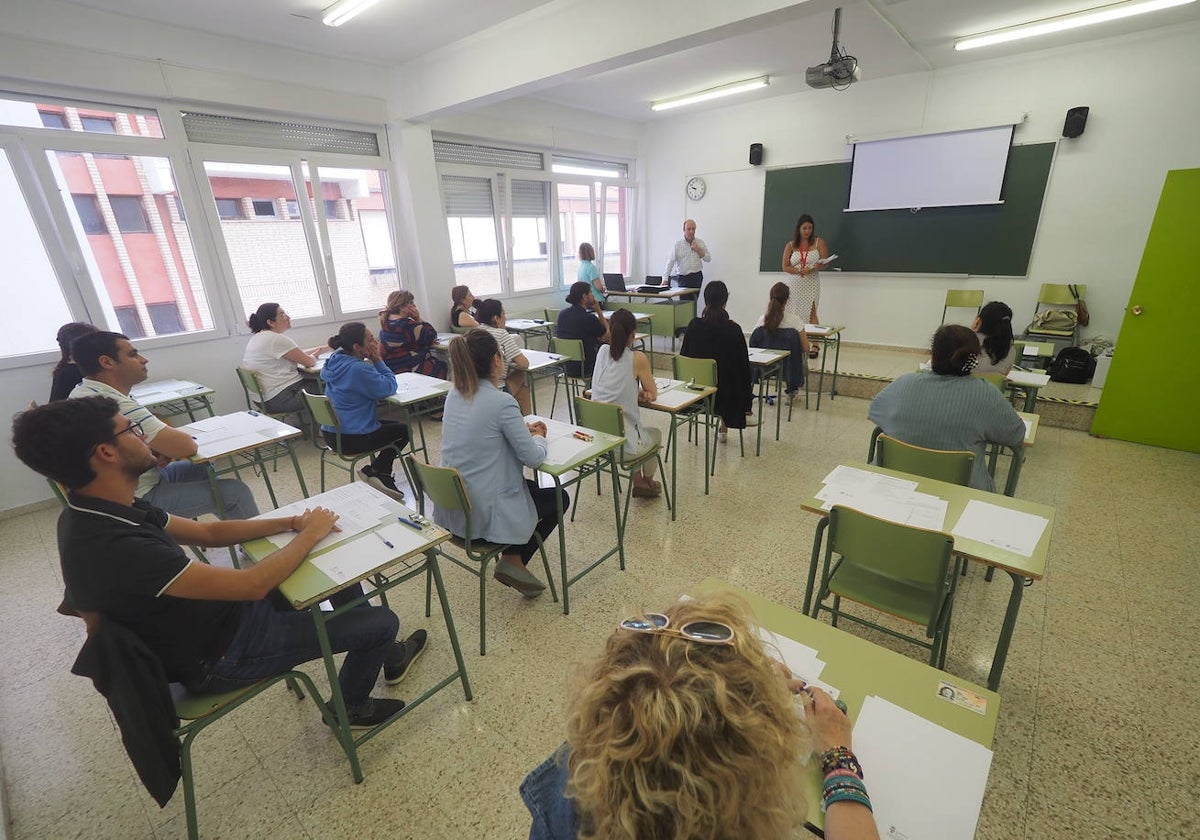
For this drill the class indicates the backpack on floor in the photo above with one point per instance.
(1073, 365)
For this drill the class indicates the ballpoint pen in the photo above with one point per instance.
(386, 541)
(410, 523)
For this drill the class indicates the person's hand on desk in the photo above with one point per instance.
(538, 428)
(830, 726)
(318, 521)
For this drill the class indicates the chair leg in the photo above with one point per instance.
(295, 688)
(483, 608)
(546, 566)
(189, 791)
(837, 606)
(428, 588)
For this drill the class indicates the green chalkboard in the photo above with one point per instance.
(983, 239)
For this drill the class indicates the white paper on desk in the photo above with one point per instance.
(925, 781)
(800, 658)
(417, 392)
(762, 358)
(918, 510)
(816, 329)
(563, 450)
(1028, 427)
(1029, 350)
(843, 476)
(1010, 530)
(353, 559)
(214, 447)
(1024, 377)
(208, 424)
(676, 397)
(163, 386)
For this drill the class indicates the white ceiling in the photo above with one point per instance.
(889, 37)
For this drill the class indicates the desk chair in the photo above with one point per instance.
(551, 319)
(904, 571)
(703, 372)
(446, 489)
(571, 349)
(953, 467)
(323, 414)
(256, 400)
(194, 712)
(963, 299)
(460, 330)
(608, 418)
(1057, 296)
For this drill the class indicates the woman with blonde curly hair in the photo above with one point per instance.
(685, 728)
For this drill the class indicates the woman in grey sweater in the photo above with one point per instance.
(947, 408)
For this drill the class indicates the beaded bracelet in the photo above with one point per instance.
(847, 789)
(840, 758)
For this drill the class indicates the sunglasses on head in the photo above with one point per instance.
(704, 632)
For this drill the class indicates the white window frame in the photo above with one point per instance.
(26, 147)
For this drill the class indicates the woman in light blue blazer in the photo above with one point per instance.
(485, 438)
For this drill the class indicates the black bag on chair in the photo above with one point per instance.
(1072, 365)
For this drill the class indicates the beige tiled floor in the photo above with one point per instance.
(1097, 735)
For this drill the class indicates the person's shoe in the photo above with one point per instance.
(723, 435)
(374, 712)
(814, 352)
(751, 420)
(793, 396)
(384, 483)
(643, 491)
(520, 579)
(402, 655)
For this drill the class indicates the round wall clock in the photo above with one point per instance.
(696, 188)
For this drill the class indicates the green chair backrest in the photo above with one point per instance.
(551, 316)
(321, 410)
(997, 379)
(251, 387)
(460, 330)
(953, 467)
(443, 485)
(964, 298)
(601, 416)
(893, 552)
(1058, 294)
(568, 348)
(703, 371)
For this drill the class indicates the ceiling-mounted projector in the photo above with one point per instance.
(841, 70)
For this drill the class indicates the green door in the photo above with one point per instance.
(1152, 393)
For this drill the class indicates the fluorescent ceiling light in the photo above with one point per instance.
(711, 93)
(343, 10)
(1063, 22)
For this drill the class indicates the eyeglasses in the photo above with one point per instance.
(134, 426)
(704, 632)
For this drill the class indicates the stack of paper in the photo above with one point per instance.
(800, 659)
(924, 780)
(562, 447)
(884, 496)
(1001, 527)
(359, 507)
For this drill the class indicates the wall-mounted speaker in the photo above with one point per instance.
(756, 153)
(1076, 120)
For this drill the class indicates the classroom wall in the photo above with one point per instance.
(1099, 202)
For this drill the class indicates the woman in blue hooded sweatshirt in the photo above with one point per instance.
(355, 380)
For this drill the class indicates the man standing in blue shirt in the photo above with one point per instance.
(583, 320)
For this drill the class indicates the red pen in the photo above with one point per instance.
(582, 436)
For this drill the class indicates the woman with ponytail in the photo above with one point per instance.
(994, 329)
(779, 316)
(485, 438)
(947, 408)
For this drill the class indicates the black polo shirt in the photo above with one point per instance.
(117, 560)
(580, 323)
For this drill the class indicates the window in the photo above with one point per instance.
(132, 274)
(29, 320)
(264, 209)
(493, 207)
(128, 322)
(52, 119)
(87, 210)
(101, 125)
(127, 209)
(269, 262)
(165, 317)
(360, 242)
(293, 208)
(178, 208)
(331, 208)
(229, 208)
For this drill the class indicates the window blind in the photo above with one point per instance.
(466, 196)
(265, 134)
(445, 151)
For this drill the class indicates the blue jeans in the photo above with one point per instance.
(183, 490)
(271, 640)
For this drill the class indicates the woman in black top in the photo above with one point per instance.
(715, 336)
(66, 375)
(462, 313)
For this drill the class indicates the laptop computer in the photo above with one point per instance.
(654, 283)
(614, 282)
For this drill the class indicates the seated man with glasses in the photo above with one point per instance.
(647, 756)
(111, 366)
(213, 629)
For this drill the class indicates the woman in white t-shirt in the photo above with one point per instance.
(274, 356)
(491, 318)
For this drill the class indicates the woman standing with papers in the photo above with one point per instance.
(802, 258)
(947, 408)
(487, 441)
